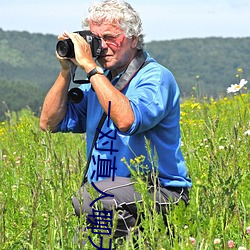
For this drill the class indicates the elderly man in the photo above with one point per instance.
(140, 98)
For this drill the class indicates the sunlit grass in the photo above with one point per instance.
(40, 172)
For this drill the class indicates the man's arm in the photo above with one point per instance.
(121, 112)
(55, 103)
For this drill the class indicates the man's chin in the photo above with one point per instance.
(105, 63)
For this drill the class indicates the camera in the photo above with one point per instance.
(65, 48)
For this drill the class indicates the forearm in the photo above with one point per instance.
(55, 103)
(121, 112)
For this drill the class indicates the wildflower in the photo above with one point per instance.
(132, 162)
(230, 244)
(247, 133)
(242, 248)
(216, 241)
(14, 188)
(137, 159)
(237, 87)
(240, 70)
(221, 147)
(248, 230)
(45, 216)
(195, 106)
(192, 240)
(198, 182)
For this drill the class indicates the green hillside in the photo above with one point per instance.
(28, 66)
(28, 57)
(210, 63)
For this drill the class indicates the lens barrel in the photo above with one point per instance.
(75, 95)
(65, 48)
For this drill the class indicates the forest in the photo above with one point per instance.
(202, 67)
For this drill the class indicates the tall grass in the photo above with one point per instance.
(40, 172)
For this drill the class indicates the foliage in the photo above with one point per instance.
(14, 95)
(40, 172)
(28, 68)
(28, 58)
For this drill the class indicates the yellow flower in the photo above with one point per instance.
(240, 70)
(195, 105)
(132, 162)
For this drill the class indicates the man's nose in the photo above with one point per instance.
(104, 44)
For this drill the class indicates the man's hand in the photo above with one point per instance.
(83, 54)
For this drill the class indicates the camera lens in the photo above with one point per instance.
(75, 95)
(65, 48)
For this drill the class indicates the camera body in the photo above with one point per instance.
(65, 48)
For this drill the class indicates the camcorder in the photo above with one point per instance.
(65, 48)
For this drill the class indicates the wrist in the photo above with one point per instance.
(65, 73)
(97, 70)
(89, 68)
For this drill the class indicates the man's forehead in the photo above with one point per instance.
(104, 27)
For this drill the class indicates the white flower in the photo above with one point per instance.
(217, 241)
(22, 210)
(242, 248)
(246, 133)
(237, 87)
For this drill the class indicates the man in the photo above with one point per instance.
(141, 100)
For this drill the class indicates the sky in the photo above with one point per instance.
(162, 19)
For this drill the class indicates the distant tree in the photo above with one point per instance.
(17, 95)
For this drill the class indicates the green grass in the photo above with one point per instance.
(40, 172)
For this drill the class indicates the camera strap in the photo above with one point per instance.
(136, 64)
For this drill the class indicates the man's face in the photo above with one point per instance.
(118, 50)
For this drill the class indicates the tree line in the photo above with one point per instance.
(202, 67)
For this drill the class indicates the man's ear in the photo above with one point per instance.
(134, 42)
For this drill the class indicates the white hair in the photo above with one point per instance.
(120, 13)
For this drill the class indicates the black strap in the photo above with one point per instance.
(136, 64)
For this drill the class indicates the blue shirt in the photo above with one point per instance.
(154, 97)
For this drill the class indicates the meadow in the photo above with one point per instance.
(40, 172)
